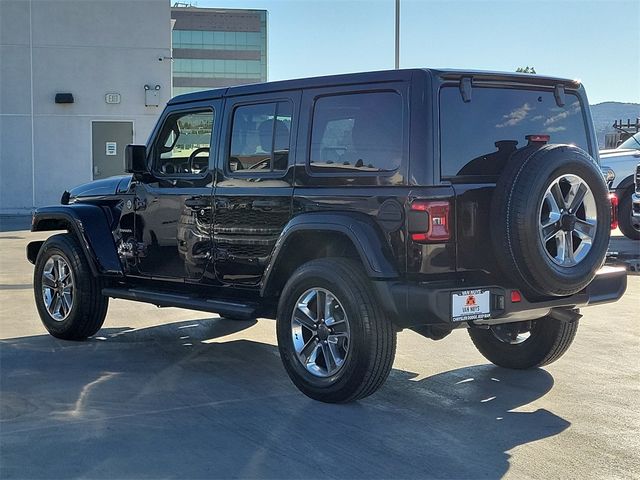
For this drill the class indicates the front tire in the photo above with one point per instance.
(335, 341)
(68, 296)
(629, 226)
(525, 344)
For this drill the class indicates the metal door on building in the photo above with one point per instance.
(108, 141)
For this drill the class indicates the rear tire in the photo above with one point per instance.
(629, 226)
(361, 339)
(68, 296)
(548, 340)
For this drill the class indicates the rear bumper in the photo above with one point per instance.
(414, 304)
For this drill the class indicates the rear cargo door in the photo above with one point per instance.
(478, 137)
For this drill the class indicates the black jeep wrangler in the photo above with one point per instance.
(348, 208)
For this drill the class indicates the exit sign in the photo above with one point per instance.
(112, 98)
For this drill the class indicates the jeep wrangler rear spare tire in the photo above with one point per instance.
(551, 219)
(335, 340)
(68, 296)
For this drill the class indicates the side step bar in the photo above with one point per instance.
(234, 309)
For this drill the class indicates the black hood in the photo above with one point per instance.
(100, 188)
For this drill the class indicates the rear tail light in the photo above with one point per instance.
(429, 221)
(614, 210)
(516, 297)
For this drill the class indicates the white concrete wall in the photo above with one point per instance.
(87, 48)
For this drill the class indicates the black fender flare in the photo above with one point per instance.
(91, 227)
(361, 230)
(624, 184)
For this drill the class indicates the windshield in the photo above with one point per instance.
(631, 142)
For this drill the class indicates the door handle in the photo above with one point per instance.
(197, 202)
(264, 203)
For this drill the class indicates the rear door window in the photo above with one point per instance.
(260, 138)
(477, 137)
(359, 132)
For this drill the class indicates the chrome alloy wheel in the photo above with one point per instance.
(568, 220)
(320, 332)
(57, 287)
(635, 220)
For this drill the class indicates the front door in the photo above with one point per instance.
(173, 201)
(108, 140)
(255, 184)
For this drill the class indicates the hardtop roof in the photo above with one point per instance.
(367, 77)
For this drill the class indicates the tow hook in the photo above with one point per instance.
(565, 314)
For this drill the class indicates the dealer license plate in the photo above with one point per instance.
(470, 305)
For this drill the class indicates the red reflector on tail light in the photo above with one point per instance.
(434, 226)
(614, 211)
(515, 296)
(419, 206)
(419, 237)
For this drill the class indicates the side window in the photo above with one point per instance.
(359, 132)
(260, 138)
(184, 143)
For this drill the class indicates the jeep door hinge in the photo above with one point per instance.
(139, 204)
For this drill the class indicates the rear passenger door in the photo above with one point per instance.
(252, 197)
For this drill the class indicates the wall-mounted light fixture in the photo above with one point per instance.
(64, 97)
(151, 96)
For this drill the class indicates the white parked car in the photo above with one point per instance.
(619, 166)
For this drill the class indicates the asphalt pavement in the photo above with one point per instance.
(169, 393)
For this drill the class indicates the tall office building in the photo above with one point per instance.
(215, 48)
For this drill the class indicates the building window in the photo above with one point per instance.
(357, 132)
(207, 68)
(260, 138)
(218, 40)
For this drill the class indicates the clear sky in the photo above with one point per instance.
(597, 41)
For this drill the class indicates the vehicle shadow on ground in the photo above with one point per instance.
(160, 403)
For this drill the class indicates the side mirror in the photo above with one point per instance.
(135, 159)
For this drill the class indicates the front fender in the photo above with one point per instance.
(361, 230)
(91, 227)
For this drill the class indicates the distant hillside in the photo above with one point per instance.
(605, 113)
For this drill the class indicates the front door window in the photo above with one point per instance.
(184, 144)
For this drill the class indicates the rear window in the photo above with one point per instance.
(477, 137)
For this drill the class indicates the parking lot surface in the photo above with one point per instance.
(169, 393)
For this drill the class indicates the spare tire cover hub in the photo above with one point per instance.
(568, 220)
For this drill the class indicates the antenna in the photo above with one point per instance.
(397, 34)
